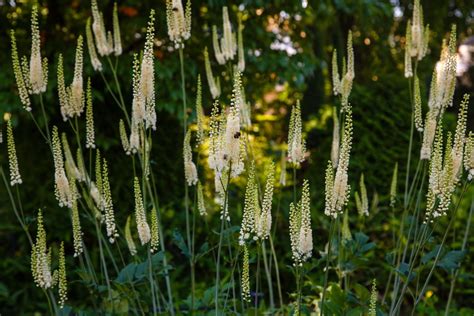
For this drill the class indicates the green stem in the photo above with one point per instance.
(152, 282)
(326, 270)
(269, 276)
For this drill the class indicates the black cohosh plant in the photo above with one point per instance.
(244, 255)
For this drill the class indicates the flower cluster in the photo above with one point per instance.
(41, 257)
(214, 84)
(105, 42)
(256, 220)
(129, 239)
(62, 188)
(446, 166)
(15, 177)
(31, 77)
(337, 187)
(300, 228)
(71, 98)
(362, 202)
(416, 39)
(441, 92)
(343, 86)
(140, 216)
(108, 206)
(296, 142)
(190, 171)
(179, 21)
(90, 135)
(155, 233)
(245, 282)
(469, 156)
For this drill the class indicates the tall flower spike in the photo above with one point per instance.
(393, 186)
(90, 135)
(335, 139)
(76, 90)
(190, 171)
(95, 61)
(283, 168)
(104, 46)
(61, 183)
(200, 200)
(264, 224)
(300, 228)
(373, 299)
(65, 108)
(419, 34)
(348, 77)
(233, 142)
(346, 230)
(296, 142)
(15, 177)
(124, 137)
(178, 21)
(108, 204)
(38, 85)
(147, 75)
(40, 262)
(216, 130)
(99, 200)
(245, 275)
(76, 228)
(128, 237)
(469, 156)
(408, 62)
(364, 209)
(62, 277)
(442, 89)
(336, 80)
(417, 98)
(116, 27)
(240, 47)
(19, 78)
(140, 215)
(337, 187)
(251, 211)
(200, 116)
(213, 84)
(72, 171)
(460, 138)
(226, 48)
(155, 233)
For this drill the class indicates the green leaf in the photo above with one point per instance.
(430, 255)
(451, 260)
(179, 241)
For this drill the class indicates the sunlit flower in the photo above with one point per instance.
(296, 142)
(300, 228)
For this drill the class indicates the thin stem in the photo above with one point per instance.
(152, 282)
(277, 271)
(269, 276)
(326, 270)
(219, 248)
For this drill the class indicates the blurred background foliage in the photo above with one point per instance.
(288, 47)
